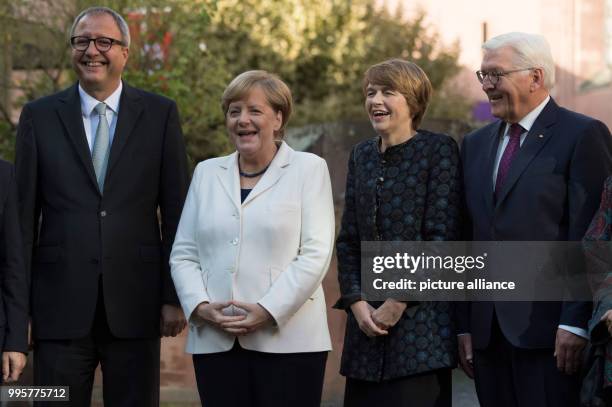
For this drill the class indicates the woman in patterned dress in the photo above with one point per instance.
(403, 185)
(597, 386)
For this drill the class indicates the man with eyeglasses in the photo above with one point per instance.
(536, 174)
(95, 164)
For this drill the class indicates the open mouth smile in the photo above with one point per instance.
(379, 114)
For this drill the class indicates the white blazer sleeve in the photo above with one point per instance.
(184, 258)
(303, 276)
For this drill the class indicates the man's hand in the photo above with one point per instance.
(255, 316)
(387, 315)
(12, 366)
(607, 319)
(568, 351)
(465, 354)
(172, 320)
(363, 314)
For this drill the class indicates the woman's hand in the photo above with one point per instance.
(212, 313)
(387, 315)
(363, 314)
(254, 318)
(607, 318)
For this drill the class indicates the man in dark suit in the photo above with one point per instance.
(95, 163)
(14, 290)
(536, 174)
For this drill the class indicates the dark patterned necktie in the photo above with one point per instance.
(509, 153)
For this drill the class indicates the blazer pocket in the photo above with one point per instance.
(150, 254)
(283, 207)
(47, 254)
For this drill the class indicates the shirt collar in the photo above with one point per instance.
(88, 102)
(530, 118)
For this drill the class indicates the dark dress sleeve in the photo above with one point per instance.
(596, 244)
(442, 219)
(348, 245)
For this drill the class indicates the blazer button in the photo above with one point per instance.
(103, 213)
(234, 242)
(94, 260)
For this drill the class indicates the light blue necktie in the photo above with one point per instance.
(101, 147)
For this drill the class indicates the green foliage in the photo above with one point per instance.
(190, 49)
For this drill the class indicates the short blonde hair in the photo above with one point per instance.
(277, 93)
(405, 77)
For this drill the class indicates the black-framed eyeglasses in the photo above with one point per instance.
(102, 44)
(495, 75)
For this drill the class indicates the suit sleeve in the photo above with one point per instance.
(174, 182)
(591, 164)
(348, 245)
(185, 259)
(26, 172)
(462, 309)
(304, 274)
(14, 281)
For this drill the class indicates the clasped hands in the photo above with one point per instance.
(251, 316)
(377, 321)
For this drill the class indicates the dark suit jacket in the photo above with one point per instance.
(14, 292)
(84, 234)
(551, 193)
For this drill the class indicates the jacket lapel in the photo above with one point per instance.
(227, 173)
(275, 171)
(537, 137)
(130, 109)
(69, 110)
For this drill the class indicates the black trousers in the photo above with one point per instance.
(507, 376)
(130, 367)
(432, 389)
(245, 378)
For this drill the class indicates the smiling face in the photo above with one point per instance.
(99, 72)
(251, 123)
(388, 111)
(515, 94)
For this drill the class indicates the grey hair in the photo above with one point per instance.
(530, 51)
(97, 10)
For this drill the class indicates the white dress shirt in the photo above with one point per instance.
(91, 119)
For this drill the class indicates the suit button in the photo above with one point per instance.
(93, 260)
(381, 179)
(103, 213)
(235, 241)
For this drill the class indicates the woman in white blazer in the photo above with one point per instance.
(253, 244)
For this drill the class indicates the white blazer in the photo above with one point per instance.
(274, 249)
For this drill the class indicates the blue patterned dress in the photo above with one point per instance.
(411, 192)
(597, 386)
